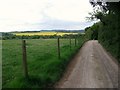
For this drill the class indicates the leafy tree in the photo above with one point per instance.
(108, 29)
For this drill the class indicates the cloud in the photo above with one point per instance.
(51, 23)
(70, 10)
(17, 15)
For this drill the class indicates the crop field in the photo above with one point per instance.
(44, 67)
(43, 33)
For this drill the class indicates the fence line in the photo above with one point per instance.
(24, 61)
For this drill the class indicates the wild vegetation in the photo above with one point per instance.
(44, 67)
(107, 30)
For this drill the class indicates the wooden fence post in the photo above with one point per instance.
(25, 69)
(75, 41)
(70, 43)
(58, 41)
(78, 41)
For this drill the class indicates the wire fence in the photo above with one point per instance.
(46, 49)
(33, 51)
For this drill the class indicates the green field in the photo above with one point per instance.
(44, 67)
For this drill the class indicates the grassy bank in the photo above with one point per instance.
(44, 67)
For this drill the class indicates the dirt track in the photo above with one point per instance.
(92, 67)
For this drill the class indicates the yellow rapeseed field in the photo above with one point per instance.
(42, 33)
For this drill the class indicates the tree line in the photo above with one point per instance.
(107, 30)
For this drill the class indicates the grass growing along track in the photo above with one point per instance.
(43, 64)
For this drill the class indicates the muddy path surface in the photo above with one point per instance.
(92, 67)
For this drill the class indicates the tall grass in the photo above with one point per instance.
(44, 67)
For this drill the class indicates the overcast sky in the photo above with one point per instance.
(21, 15)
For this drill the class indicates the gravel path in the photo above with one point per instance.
(92, 67)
